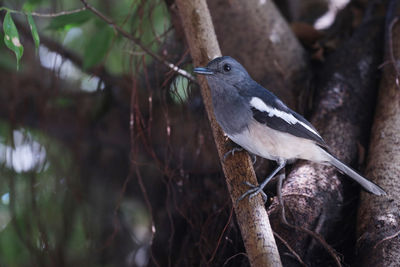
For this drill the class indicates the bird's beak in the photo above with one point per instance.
(203, 71)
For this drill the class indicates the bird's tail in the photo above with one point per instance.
(366, 184)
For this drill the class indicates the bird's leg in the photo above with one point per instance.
(259, 189)
(280, 199)
(254, 158)
(232, 152)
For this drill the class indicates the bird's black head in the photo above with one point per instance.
(224, 69)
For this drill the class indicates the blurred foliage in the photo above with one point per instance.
(35, 186)
(95, 53)
(66, 22)
(93, 39)
(46, 212)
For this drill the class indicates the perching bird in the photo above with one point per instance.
(254, 118)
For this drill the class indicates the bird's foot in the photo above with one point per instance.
(232, 152)
(255, 190)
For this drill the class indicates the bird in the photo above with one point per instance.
(259, 122)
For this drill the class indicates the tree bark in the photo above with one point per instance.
(314, 194)
(256, 34)
(251, 215)
(379, 218)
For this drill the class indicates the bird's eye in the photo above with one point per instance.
(227, 67)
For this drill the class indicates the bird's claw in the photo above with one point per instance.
(238, 149)
(255, 190)
(232, 152)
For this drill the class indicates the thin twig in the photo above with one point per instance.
(391, 53)
(387, 238)
(220, 237)
(297, 256)
(58, 14)
(55, 46)
(234, 256)
(45, 15)
(137, 171)
(137, 42)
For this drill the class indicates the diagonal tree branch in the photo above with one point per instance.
(251, 214)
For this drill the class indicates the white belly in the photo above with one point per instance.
(272, 144)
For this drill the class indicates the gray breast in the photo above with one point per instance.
(231, 110)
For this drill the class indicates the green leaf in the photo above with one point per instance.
(68, 21)
(11, 37)
(97, 47)
(179, 90)
(35, 34)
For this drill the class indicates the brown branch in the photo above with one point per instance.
(137, 42)
(250, 214)
(379, 217)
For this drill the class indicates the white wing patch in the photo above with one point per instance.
(289, 118)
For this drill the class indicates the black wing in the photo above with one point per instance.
(279, 124)
(277, 117)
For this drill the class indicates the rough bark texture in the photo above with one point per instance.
(251, 215)
(313, 194)
(255, 33)
(379, 218)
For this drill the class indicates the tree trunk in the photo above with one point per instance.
(379, 218)
(251, 215)
(314, 194)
